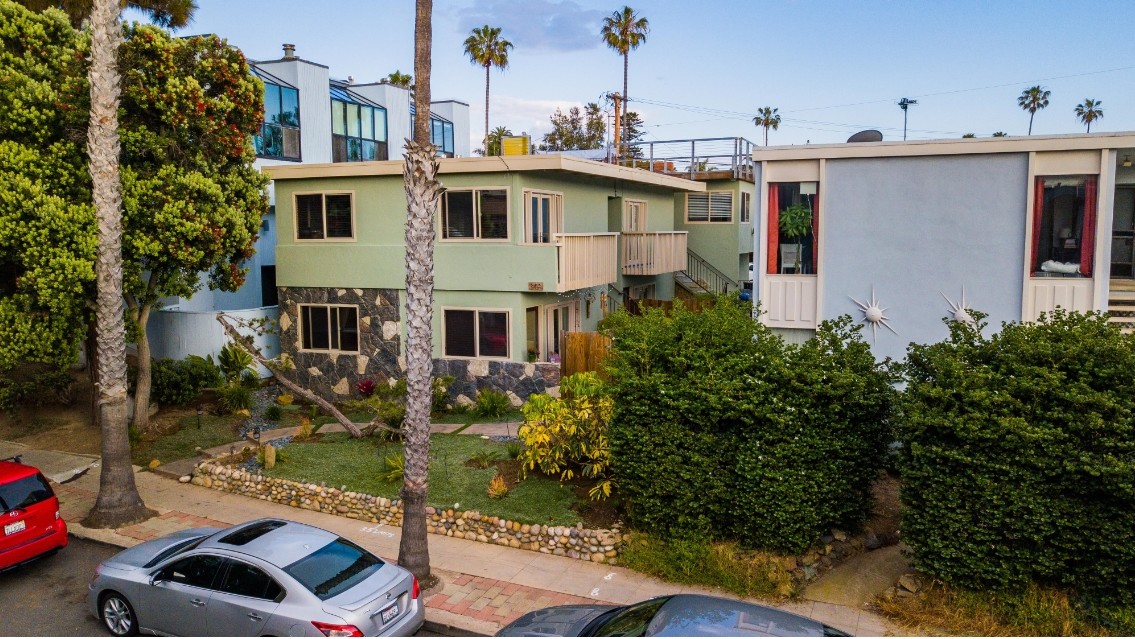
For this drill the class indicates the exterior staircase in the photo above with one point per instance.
(1121, 308)
(701, 278)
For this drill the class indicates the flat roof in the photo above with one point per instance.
(953, 146)
(493, 164)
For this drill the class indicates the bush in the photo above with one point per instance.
(273, 412)
(249, 379)
(562, 435)
(484, 458)
(395, 467)
(492, 404)
(1018, 459)
(439, 402)
(514, 450)
(695, 560)
(497, 487)
(720, 429)
(33, 388)
(234, 362)
(179, 382)
(235, 397)
(365, 386)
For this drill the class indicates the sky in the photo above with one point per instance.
(830, 67)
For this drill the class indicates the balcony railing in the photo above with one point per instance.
(586, 259)
(654, 253)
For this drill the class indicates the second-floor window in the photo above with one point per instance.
(543, 218)
(325, 216)
(478, 214)
(280, 133)
(715, 206)
(358, 132)
(441, 134)
(746, 207)
(634, 216)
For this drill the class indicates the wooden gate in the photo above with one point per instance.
(583, 352)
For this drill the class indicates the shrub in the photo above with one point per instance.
(497, 487)
(492, 404)
(179, 382)
(395, 467)
(304, 430)
(365, 386)
(562, 435)
(695, 560)
(34, 387)
(273, 412)
(439, 402)
(720, 429)
(249, 379)
(484, 458)
(233, 361)
(235, 397)
(514, 450)
(1018, 459)
(286, 399)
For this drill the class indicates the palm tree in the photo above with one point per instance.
(422, 194)
(623, 30)
(496, 140)
(399, 79)
(1000, 134)
(1089, 111)
(486, 48)
(768, 118)
(1033, 99)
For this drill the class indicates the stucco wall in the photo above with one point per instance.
(916, 229)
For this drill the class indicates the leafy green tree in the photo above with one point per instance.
(969, 135)
(1000, 134)
(193, 202)
(576, 129)
(486, 48)
(768, 118)
(164, 13)
(633, 134)
(1089, 111)
(1033, 99)
(423, 190)
(623, 31)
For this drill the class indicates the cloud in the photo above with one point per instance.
(539, 25)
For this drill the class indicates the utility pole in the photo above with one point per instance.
(905, 103)
(618, 146)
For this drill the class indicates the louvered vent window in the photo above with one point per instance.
(716, 206)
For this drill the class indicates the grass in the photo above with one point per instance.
(359, 465)
(468, 417)
(720, 565)
(1038, 612)
(214, 431)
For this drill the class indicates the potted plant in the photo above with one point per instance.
(796, 222)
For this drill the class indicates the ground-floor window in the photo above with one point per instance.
(1064, 226)
(475, 333)
(640, 292)
(792, 227)
(329, 328)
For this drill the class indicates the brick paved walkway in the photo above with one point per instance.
(496, 601)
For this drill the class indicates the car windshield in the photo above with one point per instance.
(334, 568)
(176, 549)
(24, 492)
(631, 621)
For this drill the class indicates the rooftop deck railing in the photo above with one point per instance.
(704, 158)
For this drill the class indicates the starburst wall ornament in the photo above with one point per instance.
(873, 314)
(959, 311)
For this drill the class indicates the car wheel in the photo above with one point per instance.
(117, 615)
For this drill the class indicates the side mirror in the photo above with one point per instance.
(158, 578)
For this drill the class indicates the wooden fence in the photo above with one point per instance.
(583, 352)
(636, 307)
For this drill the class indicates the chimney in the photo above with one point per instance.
(289, 51)
(350, 79)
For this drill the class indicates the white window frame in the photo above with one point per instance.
(643, 292)
(709, 195)
(296, 217)
(301, 328)
(476, 332)
(746, 207)
(441, 213)
(556, 217)
(639, 219)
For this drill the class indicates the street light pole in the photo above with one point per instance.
(905, 103)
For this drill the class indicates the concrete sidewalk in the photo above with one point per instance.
(482, 588)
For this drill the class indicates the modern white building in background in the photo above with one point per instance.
(309, 118)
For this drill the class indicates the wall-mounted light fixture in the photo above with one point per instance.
(1127, 161)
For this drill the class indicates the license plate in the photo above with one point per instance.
(15, 527)
(389, 613)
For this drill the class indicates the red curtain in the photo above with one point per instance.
(1088, 233)
(815, 230)
(773, 229)
(1038, 213)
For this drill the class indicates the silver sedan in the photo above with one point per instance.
(265, 577)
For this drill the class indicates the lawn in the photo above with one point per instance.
(360, 465)
(469, 417)
(214, 431)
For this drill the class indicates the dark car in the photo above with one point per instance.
(29, 514)
(670, 616)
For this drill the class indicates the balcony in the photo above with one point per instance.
(586, 259)
(654, 253)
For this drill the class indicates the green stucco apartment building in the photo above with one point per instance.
(528, 248)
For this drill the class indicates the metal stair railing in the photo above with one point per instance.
(705, 275)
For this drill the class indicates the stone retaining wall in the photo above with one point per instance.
(600, 546)
(576, 542)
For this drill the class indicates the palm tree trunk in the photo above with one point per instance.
(486, 147)
(626, 64)
(766, 136)
(118, 502)
(422, 194)
(1031, 115)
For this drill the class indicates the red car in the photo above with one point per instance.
(29, 515)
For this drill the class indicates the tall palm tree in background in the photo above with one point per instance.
(623, 31)
(1089, 111)
(768, 118)
(1033, 99)
(486, 48)
(118, 501)
(422, 194)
